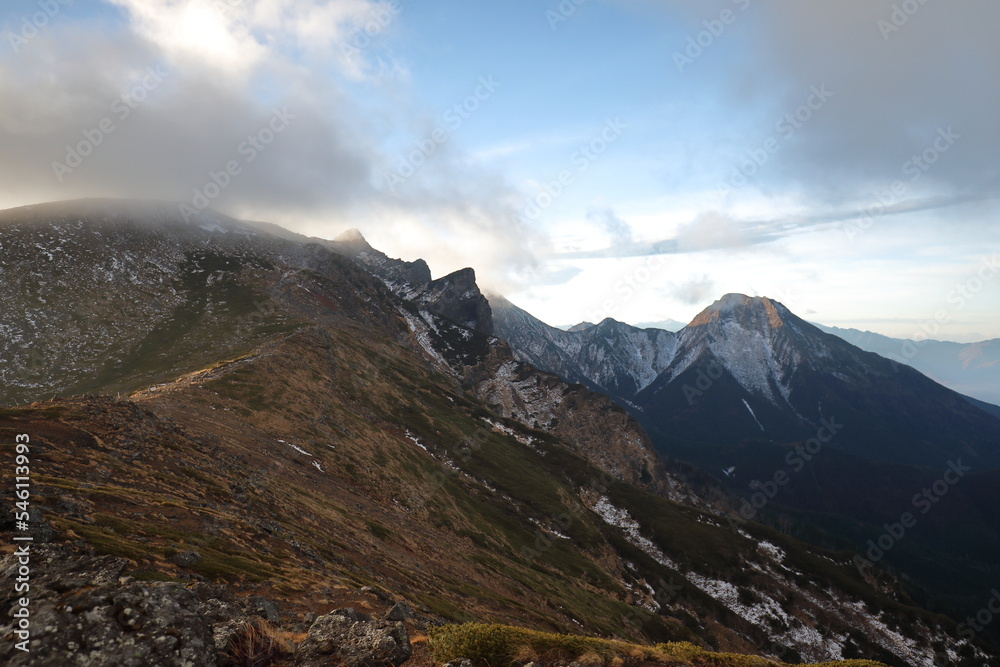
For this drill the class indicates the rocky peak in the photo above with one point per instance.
(353, 238)
(458, 298)
(393, 271)
(750, 312)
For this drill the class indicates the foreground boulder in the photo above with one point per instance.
(135, 625)
(345, 637)
(84, 613)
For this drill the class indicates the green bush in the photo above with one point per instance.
(490, 644)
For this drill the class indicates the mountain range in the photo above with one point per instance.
(748, 368)
(752, 393)
(226, 416)
(972, 369)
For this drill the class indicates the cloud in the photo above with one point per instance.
(153, 107)
(894, 86)
(693, 292)
(129, 120)
(713, 230)
(251, 106)
(620, 231)
(549, 276)
(897, 77)
(710, 231)
(236, 36)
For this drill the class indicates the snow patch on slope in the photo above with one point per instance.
(802, 632)
(621, 519)
(753, 415)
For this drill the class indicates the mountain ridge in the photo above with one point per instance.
(764, 351)
(293, 417)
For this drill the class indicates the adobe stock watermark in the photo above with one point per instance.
(451, 120)
(704, 380)
(914, 169)
(383, 14)
(21, 612)
(698, 43)
(121, 109)
(785, 129)
(973, 625)
(795, 461)
(901, 14)
(249, 150)
(562, 13)
(581, 160)
(924, 501)
(662, 596)
(225, 6)
(33, 24)
(959, 296)
(626, 287)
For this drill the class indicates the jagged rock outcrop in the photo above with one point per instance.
(457, 297)
(394, 271)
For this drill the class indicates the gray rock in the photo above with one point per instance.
(185, 558)
(41, 529)
(84, 614)
(350, 614)
(336, 639)
(399, 612)
(266, 609)
(461, 662)
(56, 569)
(220, 611)
(136, 625)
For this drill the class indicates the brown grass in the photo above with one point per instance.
(259, 644)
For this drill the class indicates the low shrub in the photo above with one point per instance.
(494, 645)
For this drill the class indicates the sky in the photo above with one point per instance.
(634, 159)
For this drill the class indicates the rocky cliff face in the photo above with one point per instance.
(597, 428)
(610, 357)
(456, 297)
